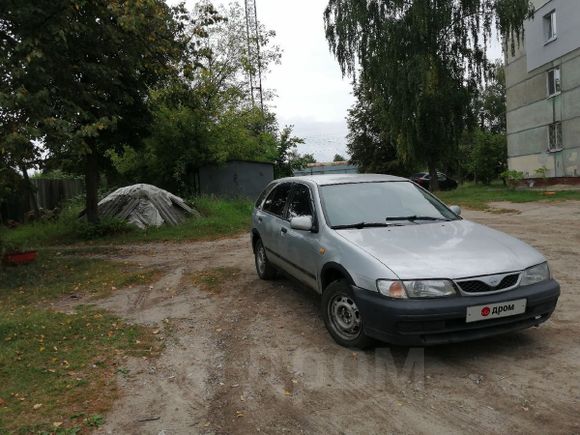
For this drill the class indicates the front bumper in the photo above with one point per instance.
(422, 322)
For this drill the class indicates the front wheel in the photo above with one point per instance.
(263, 266)
(342, 317)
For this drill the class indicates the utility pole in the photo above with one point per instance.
(254, 55)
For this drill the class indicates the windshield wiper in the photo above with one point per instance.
(361, 225)
(414, 218)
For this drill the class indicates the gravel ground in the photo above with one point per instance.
(252, 356)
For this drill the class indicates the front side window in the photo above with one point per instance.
(554, 82)
(276, 200)
(555, 136)
(377, 203)
(300, 204)
(550, 29)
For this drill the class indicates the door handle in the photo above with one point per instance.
(283, 230)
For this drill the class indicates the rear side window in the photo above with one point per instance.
(300, 204)
(260, 199)
(276, 200)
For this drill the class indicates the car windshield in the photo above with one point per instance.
(373, 204)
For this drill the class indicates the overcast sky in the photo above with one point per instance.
(311, 93)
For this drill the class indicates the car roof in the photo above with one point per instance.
(327, 179)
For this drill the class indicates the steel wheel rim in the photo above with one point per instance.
(345, 317)
(261, 259)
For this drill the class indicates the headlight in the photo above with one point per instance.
(392, 289)
(416, 289)
(434, 288)
(535, 274)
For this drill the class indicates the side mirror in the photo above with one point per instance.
(302, 223)
(455, 209)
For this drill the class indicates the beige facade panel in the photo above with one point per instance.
(527, 92)
(529, 164)
(571, 73)
(537, 114)
(515, 72)
(571, 133)
(565, 163)
(571, 104)
(528, 142)
(571, 160)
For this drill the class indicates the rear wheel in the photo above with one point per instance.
(263, 266)
(342, 317)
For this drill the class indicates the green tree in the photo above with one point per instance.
(223, 78)
(492, 101)
(287, 158)
(369, 144)
(338, 158)
(205, 115)
(423, 59)
(81, 71)
(482, 154)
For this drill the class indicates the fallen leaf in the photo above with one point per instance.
(37, 406)
(57, 424)
(2, 402)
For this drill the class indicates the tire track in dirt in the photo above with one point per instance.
(255, 355)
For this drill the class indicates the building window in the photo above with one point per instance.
(554, 86)
(550, 29)
(555, 136)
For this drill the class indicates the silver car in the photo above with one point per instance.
(394, 263)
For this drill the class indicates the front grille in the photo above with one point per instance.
(478, 286)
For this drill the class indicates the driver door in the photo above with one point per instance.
(301, 248)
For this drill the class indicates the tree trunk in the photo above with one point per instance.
(30, 192)
(92, 186)
(433, 174)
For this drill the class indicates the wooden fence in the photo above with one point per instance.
(50, 194)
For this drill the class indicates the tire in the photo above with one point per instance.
(264, 268)
(342, 317)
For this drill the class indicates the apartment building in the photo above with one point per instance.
(543, 92)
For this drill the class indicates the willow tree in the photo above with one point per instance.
(424, 59)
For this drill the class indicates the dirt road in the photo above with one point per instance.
(254, 356)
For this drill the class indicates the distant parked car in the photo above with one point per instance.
(423, 179)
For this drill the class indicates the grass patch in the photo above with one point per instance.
(220, 217)
(478, 197)
(53, 276)
(58, 371)
(213, 280)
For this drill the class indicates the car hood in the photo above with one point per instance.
(455, 249)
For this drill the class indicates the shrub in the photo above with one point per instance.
(511, 177)
(106, 227)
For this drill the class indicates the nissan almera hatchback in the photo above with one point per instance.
(394, 263)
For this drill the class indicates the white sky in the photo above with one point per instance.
(308, 82)
(311, 93)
